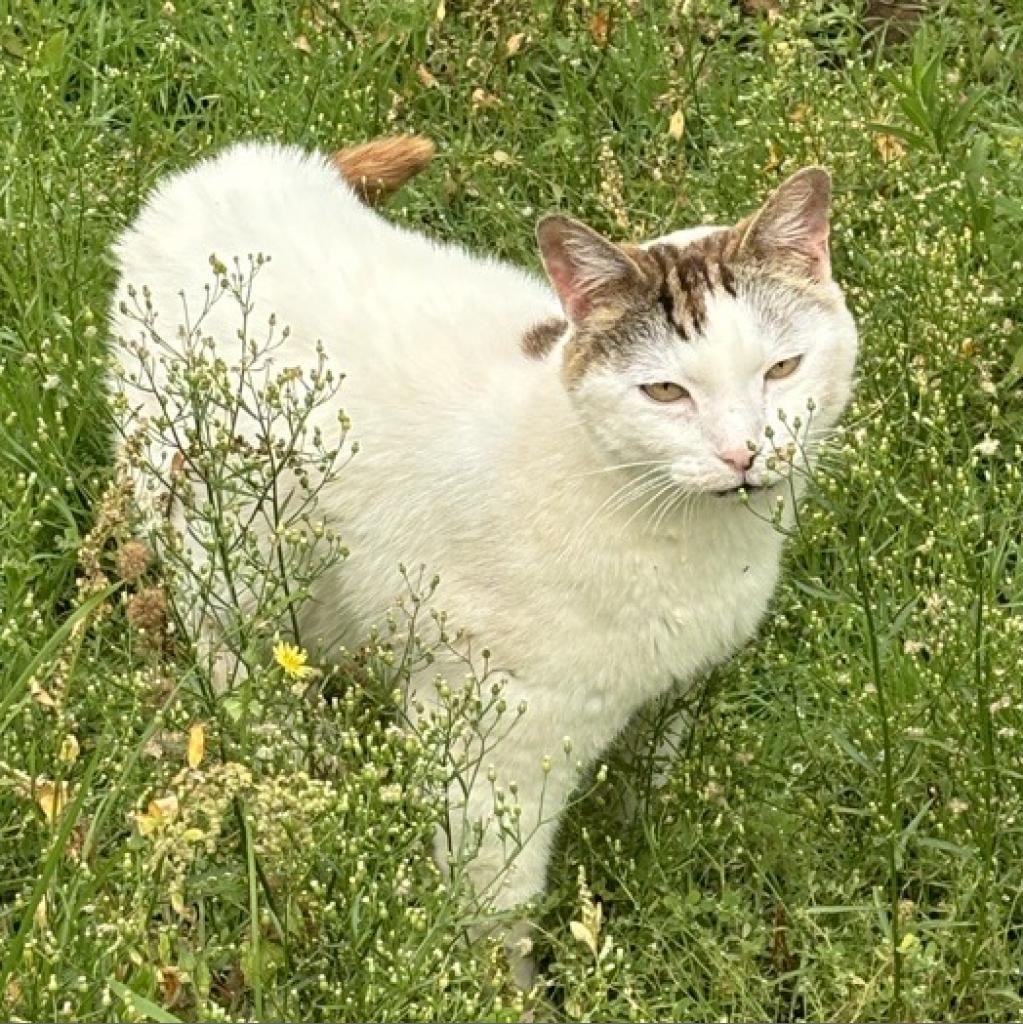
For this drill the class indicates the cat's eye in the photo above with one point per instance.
(784, 368)
(665, 391)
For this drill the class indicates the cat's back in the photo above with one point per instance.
(338, 272)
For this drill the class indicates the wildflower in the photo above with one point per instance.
(292, 660)
(988, 446)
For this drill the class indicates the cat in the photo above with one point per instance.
(589, 463)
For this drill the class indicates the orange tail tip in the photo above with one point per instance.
(378, 168)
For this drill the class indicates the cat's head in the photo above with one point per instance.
(700, 351)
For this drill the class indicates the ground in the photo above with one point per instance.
(841, 837)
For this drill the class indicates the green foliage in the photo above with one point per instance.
(840, 838)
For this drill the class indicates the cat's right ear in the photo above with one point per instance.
(587, 271)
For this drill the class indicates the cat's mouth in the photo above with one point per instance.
(749, 488)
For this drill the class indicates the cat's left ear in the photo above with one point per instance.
(587, 271)
(792, 227)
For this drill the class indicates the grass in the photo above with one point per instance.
(841, 837)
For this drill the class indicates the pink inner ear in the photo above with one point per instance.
(818, 252)
(567, 283)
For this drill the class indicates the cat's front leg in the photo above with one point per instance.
(505, 799)
(652, 744)
(500, 831)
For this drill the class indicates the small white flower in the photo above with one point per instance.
(988, 446)
(51, 382)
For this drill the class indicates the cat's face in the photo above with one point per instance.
(715, 358)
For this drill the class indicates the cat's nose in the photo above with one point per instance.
(740, 459)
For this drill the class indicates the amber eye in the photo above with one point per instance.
(664, 392)
(784, 369)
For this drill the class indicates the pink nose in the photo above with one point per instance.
(740, 459)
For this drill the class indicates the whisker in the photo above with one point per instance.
(657, 496)
(621, 465)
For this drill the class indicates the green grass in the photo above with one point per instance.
(841, 839)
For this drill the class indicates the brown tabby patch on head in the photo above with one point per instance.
(684, 276)
(678, 279)
(538, 341)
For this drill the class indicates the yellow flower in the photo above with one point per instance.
(293, 660)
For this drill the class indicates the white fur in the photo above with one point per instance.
(477, 462)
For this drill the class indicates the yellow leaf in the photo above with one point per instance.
(583, 934)
(442, 10)
(52, 797)
(301, 43)
(196, 744)
(425, 77)
(69, 749)
(677, 125)
(514, 43)
(889, 148)
(773, 158)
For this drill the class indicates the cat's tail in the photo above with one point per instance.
(378, 168)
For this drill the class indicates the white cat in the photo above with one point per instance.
(567, 458)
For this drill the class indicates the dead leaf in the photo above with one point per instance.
(799, 113)
(154, 747)
(160, 812)
(76, 842)
(593, 917)
(514, 43)
(196, 744)
(170, 985)
(769, 7)
(583, 934)
(773, 160)
(502, 158)
(677, 125)
(425, 77)
(889, 148)
(599, 25)
(482, 98)
(13, 992)
(41, 696)
(301, 43)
